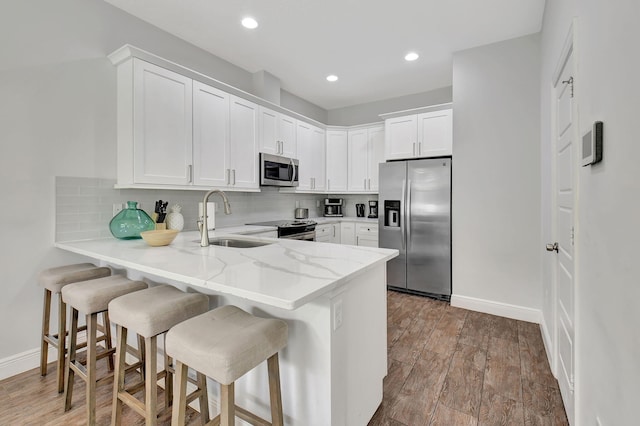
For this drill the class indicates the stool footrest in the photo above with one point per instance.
(245, 415)
(132, 402)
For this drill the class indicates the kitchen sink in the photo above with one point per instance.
(236, 243)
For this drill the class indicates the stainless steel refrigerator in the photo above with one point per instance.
(415, 218)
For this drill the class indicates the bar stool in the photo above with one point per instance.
(150, 313)
(91, 297)
(225, 344)
(53, 279)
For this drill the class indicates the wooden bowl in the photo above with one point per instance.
(159, 237)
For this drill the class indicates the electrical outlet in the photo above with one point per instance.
(117, 208)
(317, 203)
(297, 204)
(337, 314)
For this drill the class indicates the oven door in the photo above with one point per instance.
(278, 171)
(303, 236)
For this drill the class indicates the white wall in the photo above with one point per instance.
(496, 176)
(608, 230)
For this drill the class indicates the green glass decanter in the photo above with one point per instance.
(130, 222)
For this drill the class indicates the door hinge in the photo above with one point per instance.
(570, 81)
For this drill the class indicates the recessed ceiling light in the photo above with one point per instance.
(332, 78)
(411, 56)
(250, 23)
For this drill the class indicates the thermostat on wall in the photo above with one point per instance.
(592, 145)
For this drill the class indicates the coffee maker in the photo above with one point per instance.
(373, 209)
(333, 207)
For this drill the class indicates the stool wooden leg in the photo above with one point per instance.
(121, 355)
(227, 405)
(180, 398)
(142, 356)
(69, 372)
(44, 345)
(151, 382)
(92, 323)
(274, 390)
(168, 379)
(62, 341)
(107, 334)
(204, 398)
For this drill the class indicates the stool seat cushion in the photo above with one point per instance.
(226, 343)
(53, 279)
(155, 310)
(94, 296)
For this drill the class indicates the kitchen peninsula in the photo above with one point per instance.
(332, 296)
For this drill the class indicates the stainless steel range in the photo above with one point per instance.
(293, 229)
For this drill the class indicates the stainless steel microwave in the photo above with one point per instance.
(278, 171)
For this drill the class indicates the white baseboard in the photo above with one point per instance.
(548, 346)
(506, 310)
(24, 361)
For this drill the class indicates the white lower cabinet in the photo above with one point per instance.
(348, 233)
(328, 233)
(367, 234)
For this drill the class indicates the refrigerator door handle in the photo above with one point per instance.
(403, 217)
(407, 214)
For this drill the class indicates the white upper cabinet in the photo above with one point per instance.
(311, 154)
(210, 135)
(243, 144)
(428, 134)
(161, 125)
(365, 147)
(337, 160)
(225, 139)
(277, 133)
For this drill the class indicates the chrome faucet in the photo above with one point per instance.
(202, 222)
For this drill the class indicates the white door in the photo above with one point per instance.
(243, 143)
(337, 154)
(210, 135)
(358, 161)
(162, 110)
(376, 155)
(435, 133)
(563, 248)
(401, 137)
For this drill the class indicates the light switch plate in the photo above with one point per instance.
(337, 314)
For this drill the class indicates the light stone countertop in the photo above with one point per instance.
(285, 274)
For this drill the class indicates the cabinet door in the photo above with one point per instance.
(269, 132)
(210, 135)
(337, 160)
(336, 233)
(305, 156)
(319, 164)
(348, 233)
(287, 135)
(358, 145)
(243, 143)
(401, 137)
(367, 241)
(376, 155)
(162, 148)
(435, 133)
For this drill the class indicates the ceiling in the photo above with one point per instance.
(362, 42)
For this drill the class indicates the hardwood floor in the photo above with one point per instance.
(447, 366)
(453, 367)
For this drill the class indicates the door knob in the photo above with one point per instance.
(552, 247)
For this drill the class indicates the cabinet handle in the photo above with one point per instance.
(328, 189)
(227, 177)
(419, 148)
(190, 173)
(234, 176)
(369, 183)
(414, 149)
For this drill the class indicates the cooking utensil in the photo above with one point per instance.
(301, 213)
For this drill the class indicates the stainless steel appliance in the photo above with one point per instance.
(415, 199)
(373, 209)
(278, 171)
(301, 213)
(333, 207)
(360, 210)
(293, 229)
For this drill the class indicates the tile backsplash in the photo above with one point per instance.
(84, 206)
